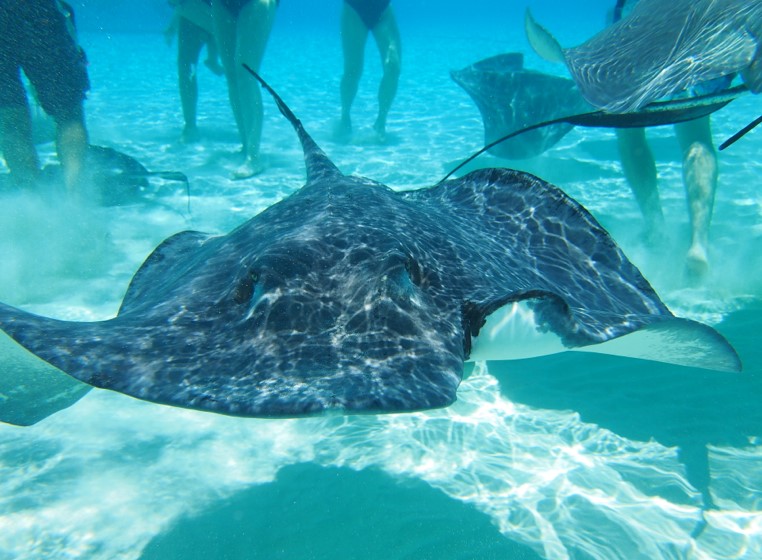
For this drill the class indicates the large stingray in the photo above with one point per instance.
(350, 297)
(511, 97)
(661, 48)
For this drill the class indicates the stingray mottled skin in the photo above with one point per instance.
(350, 297)
(663, 47)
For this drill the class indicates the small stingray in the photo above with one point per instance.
(654, 114)
(350, 297)
(510, 97)
(662, 48)
(117, 178)
(123, 178)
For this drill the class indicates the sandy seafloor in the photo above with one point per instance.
(570, 456)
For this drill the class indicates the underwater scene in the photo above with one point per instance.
(203, 403)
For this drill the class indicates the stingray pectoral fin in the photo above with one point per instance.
(542, 41)
(168, 260)
(512, 333)
(31, 389)
(674, 341)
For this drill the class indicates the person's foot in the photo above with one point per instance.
(249, 168)
(654, 235)
(214, 66)
(696, 263)
(380, 129)
(190, 135)
(342, 132)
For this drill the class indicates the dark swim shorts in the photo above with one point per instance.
(35, 37)
(369, 10)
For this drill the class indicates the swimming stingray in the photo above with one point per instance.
(541, 108)
(123, 179)
(117, 178)
(510, 97)
(350, 297)
(656, 113)
(661, 48)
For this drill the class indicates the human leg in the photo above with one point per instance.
(700, 172)
(71, 144)
(255, 22)
(212, 60)
(190, 39)
(640, 171)
(387, 37)
(225, 35)
(354, 34)
(17, 145)
(57, 68)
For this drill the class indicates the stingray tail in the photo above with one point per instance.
(318, 164)
(502, 139)
(741, 133)
(169, 176)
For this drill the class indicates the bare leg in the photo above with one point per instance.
(640, 172)
(190, 39)
(224, 32)
(17, 145)
(253, 30)
(387, 37)
(213, 56)
(700, 179)
(72, 143)
(354, 34)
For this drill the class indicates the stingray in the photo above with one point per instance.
(511, 97)
(661, 48)
(117, 178)
(350, 297)
(122, 179)
(540, 108)
(654, 114)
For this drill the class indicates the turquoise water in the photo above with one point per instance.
(568, 456)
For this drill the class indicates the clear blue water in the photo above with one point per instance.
(568, 456)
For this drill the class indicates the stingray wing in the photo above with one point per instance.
(511, 98)
(30, 389)
(665, 47)
(538, 246)
(171, 259)
(213, 364)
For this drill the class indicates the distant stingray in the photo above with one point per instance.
(662, 48)
(654, 114)
(510, 97)
(122, 178)
(350, 297)
(117, 178)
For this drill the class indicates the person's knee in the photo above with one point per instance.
(392, 62)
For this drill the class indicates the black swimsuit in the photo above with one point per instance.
(234, 6)
(369, 10)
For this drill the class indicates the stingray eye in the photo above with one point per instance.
(245, 289)
(413, 270)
